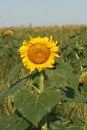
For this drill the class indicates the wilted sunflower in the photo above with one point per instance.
(39, 53)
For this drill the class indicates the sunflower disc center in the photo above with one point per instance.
(38, 54)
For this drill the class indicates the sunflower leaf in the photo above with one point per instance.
(34, 107)
(57, 126)
(14, 71)
(14, 87)
(13, 122)
(63, 76)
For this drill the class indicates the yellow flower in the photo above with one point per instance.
(36, 29)
(81, 48)
(8, 33)
(39, 53)
(83, 77)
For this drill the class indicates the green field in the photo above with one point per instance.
(62, 104)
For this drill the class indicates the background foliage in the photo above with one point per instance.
(63, 104)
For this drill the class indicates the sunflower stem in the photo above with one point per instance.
(41, 88)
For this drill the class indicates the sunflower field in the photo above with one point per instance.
(43, 78)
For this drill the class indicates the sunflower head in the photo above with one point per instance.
(39, 53)
(8, 33)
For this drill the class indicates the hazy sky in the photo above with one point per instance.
(42, 12)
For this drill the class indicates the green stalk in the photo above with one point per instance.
(41, 87)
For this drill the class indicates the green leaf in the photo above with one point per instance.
(14, 87)
(76, 124)
(34, 107)
(77, 121)
(57, 126)
(14, 71)
(13, 122)
(63, 76)
(78, 98)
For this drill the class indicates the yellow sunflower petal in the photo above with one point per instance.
(39, 53)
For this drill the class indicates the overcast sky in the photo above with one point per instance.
(42, 12)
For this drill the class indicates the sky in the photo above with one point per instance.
(42, 12)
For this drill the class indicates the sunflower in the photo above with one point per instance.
(39, 53)
(8, 33)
